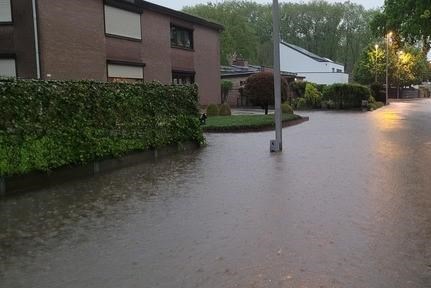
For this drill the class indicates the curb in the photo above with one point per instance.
(38, 180)
(257, 129)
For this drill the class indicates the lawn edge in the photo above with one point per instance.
(250, 129)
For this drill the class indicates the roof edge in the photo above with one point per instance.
(180, 15)
(299, 51)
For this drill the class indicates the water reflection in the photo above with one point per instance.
(345, 205)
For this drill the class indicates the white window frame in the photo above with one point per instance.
(6, 5)
(118, 30)
(12, 67)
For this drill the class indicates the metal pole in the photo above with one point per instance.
(387, 68)
(375, 64)
(36, 39)
(277, 145)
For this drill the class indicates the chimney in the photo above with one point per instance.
(238, 61)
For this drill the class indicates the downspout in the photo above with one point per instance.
(36, 39)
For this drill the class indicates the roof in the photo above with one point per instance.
(235, 70)
(140, 5)
(307, 53)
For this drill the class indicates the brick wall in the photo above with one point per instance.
(72, 39)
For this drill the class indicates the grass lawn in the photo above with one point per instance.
(244, 122)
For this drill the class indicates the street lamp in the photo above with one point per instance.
(375, 63)
(277, 144)
(400, 54)
(387, 66)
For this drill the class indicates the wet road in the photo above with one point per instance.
(347, 204)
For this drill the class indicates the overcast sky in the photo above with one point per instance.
(175, 4)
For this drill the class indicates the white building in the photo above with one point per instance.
(314, 68)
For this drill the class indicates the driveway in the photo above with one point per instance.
(347, 204)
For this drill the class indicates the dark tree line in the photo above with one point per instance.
(338, 31)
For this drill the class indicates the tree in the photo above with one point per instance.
(409, 18)
(407, 66)
(259, 88)
(226, 86)
(371, 66)
(338, 31)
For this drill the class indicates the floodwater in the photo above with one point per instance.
(347, 204)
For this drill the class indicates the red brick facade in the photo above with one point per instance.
(73, 44)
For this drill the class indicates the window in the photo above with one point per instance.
(183, 78)
(181, 37)
(339, 70)
(129, 73)
(122, 23)
(5, 11)
(7, 67)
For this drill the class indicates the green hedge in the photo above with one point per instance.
(49, 124)
(346, 96)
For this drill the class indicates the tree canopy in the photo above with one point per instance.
(410, 19)
(407, 65)
(337, 31)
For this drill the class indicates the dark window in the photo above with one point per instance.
(181, 37)
(339, 70)
(183, 78)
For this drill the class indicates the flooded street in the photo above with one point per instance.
(347, 204)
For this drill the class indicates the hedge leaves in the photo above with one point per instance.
(49, 124)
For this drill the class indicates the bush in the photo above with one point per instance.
(320, 87)
(346, 96)
(378, 92)
(300, 104)
(286, 109)
(225, 86)
(225, 110)
(298, 88)
(375, 105)
(312, 96)
(49, 124)
(213, 110)
(259, 89)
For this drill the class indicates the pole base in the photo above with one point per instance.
(275, 146)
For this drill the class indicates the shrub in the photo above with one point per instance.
(312, 96)
(213, 110)
(346, 96)
(225, 110)
(300, 104)
(378, 92)
(375, 105)
(298, 88)
(286, 109)
(259, 88)
(49, 124)
(320, 87)
(226, 86)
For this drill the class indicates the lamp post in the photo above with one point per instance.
(277, 144)
(375, 63)
(387, 66)
(400, 54)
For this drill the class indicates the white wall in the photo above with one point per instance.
(314, 71)
(325, 78)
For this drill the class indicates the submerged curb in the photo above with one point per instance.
(249, 129)
(38, 180)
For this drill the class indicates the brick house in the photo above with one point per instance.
(239, 71)
(111, 40)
